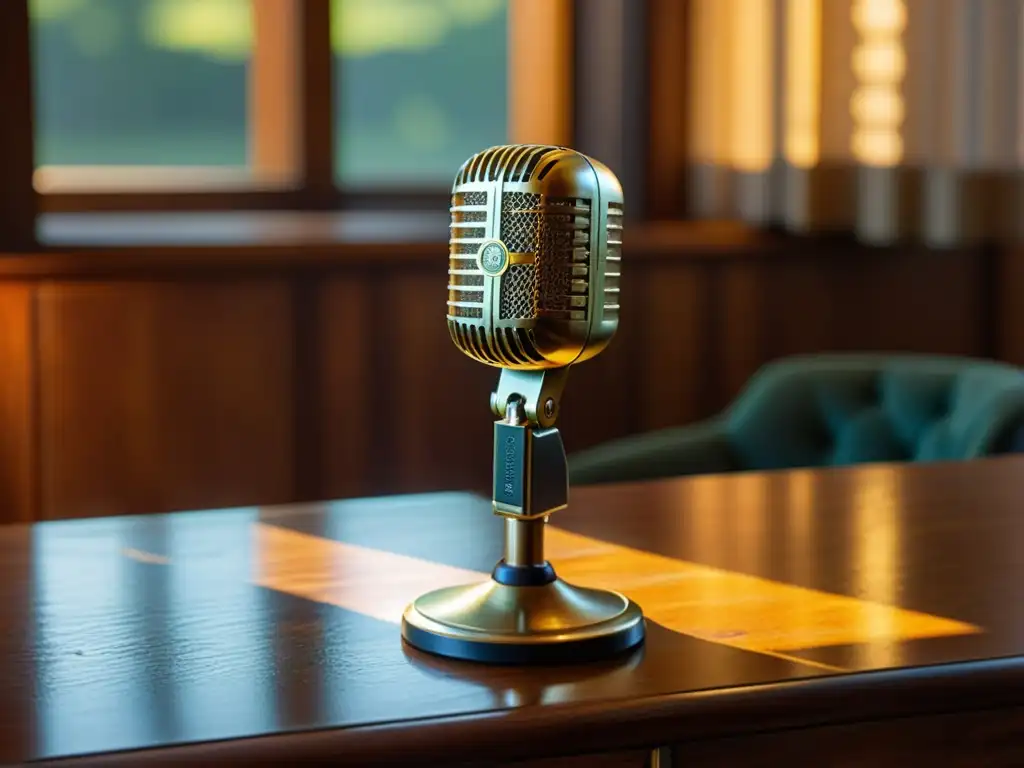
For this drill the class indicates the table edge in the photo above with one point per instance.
(620, 725)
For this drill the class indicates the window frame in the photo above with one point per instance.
(292, 120)
(18, 203)
(605, 78)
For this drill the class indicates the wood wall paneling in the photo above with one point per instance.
(847, 298)
(600, 395)
(740, 326)
(1009, 306)
(674, 358)
(17, 404)
(650, 375)
(800, 305)
(164, 396)
(347, 404)
(437, 400)
(909, 299)
(146, 395)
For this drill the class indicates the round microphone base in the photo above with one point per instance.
(494, 623)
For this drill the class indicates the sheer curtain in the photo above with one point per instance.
(893, 119)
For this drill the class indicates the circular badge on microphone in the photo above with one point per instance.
(493, 257)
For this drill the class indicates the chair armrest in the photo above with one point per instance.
(701, 448)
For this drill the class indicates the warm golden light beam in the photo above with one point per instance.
(735, 609)
(802, 145)
(751, 86)
(879, 64)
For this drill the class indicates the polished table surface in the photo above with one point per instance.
(775, 601)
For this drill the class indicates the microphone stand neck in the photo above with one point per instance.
(524, 542)
(531, 477)
(524, 612)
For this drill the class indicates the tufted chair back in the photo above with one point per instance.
(830, 410)
(850, 409)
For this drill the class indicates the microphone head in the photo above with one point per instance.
(535, 249)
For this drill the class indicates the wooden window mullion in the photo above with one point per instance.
(17, 151)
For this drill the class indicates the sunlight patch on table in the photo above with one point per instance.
(372, 582)
(738, 609)
(734, 609)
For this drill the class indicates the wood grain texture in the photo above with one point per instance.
(984, 738)
(672, 310)
(18, 448)
(735, 609)
(155, 632)
(741, 349)
(600, 394)
(340, 384)
(156, 397)
(668, 57)
(540, 88)
(345, 396)
(1009, 305)
(436, 418)
(842, 297)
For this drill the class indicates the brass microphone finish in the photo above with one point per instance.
(533, 286)
(534, 257)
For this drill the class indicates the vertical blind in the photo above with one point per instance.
(893, 119)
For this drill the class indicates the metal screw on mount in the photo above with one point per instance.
(549, 407)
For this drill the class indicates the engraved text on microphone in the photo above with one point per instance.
(510, 465)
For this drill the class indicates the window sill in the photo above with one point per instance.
(241, 229)
(91, 244)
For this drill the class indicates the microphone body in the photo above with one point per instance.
(533, 288)
(534, 257)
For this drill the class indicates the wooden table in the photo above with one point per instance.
(830, 618)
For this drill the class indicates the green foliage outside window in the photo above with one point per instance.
(420, 83)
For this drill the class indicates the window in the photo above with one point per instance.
(162, 92)
(145, 83)
(420, 85)
(278, 104)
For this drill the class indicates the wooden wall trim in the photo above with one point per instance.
(291, 118)
(317, 101)
(308, 368)
(668, 57)
(610, 121)
(104, 245)
(17, 152)
(540, 71)
(275, 91)
(18, 405)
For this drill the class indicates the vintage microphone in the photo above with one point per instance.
(534, 266)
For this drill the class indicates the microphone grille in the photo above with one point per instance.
(471, 198)
(465, 280)
(513, 162)
(506, 346)
(557, 284)
(534, 256)
(613, 261)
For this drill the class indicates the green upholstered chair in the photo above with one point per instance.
(832, 410)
